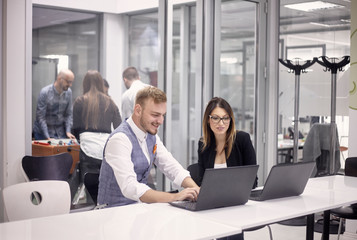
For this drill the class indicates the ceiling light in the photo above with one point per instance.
(332, 23)
(229, 60)
(312, 6)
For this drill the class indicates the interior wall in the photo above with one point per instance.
(2, 163)
(107, 6)
(16, 76)
(16, 20)
(113, 54)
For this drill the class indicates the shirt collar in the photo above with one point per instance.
(140, 134)
(136, 82)
(55, 90)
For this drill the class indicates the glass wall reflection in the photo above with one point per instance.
(237, 79)
(63, 39)
(144, 51)
(183, 85)
(306, 33)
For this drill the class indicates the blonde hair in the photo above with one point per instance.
(150, 92)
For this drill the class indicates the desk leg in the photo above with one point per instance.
(310, 221)
(326, 227)
(289, 156)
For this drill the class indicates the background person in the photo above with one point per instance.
(133, 84)
(130, 153)
(54, 109)
(94, 115)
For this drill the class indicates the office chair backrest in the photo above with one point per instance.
(53, 167)
(351, 167)
(317, 148)
(193, 169)
(36, 199)
(91, 182)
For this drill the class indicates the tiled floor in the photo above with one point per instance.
(282, 232)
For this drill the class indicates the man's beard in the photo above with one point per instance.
(142, 123)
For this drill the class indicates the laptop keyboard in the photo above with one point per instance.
(185, 204)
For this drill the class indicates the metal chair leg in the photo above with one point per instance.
(339, 229)
(270, 232)
(78, 193)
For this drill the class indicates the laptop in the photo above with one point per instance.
(223, 187)
(284, 180)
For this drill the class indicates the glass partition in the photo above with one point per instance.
(237, 70)
(63, 39)
(306, 33)
(144, 45)
(237, 66)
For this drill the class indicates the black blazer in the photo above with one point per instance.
(243, 153)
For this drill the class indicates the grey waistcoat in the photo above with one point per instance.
(109, 191)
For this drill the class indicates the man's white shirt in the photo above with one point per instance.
(128, 98)
(118, 156)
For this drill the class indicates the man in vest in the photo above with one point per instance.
(130, 152)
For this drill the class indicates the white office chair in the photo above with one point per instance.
(36, 199)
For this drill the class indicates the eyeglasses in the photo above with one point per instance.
(216, 119)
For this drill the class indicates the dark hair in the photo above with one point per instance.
(106, 84)
(131, 74)
(208, 134)
(93, 80)
(93, 91)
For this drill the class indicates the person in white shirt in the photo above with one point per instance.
(133, 84)
(131, 151)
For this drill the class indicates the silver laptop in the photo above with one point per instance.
(223, 187)
(284, 180)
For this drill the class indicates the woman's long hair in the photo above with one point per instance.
(208, 135)
(93, 93)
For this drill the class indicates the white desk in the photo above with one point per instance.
(321, 194)
(136, 221)
(163, 221)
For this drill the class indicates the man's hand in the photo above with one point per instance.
(188, 194)
(153, 196)
(70, 135)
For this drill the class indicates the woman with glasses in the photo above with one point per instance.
(222, 145)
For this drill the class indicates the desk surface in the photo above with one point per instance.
(163, 221)
(136, 221)
(320, 194)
